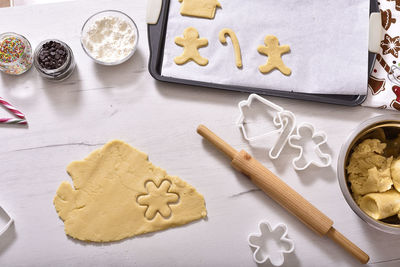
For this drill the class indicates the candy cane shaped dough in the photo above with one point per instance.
(235, 42)
(381, 205)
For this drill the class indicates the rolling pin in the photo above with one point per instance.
(279, 191)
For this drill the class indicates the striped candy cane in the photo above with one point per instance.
(13, 121)
(11, 108)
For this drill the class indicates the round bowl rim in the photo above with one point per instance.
(135, 28)
(381, 119)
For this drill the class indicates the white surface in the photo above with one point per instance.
(328, 42)
(68, 120)
(35, 2)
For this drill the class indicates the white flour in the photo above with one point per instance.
(109, 39)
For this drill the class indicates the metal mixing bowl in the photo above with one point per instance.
(371, 128)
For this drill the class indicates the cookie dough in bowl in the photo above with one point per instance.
(369, 172)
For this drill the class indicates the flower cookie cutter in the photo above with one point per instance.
(264, 242)
(9, 219)
(325, 159)
(284, 120)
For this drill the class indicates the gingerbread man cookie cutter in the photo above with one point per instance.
(325, 160)
(260, 242)
(284, 120)
(9, 220)
(191, 43)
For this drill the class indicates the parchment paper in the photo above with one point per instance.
(328, 41)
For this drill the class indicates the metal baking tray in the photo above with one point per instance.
(156, 36)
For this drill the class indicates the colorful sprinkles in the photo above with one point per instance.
(15, 54)
(11, 49)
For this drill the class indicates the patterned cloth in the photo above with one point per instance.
(384, 81)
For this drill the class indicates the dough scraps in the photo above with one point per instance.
(118, 193)
(381, 205)
(274, 51)
(395, 169)
(369, 170)
(235, 43)
(190, 43)
(199, 8)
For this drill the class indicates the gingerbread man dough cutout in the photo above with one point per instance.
(191, 43)
(274, 51)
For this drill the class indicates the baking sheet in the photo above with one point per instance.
(328, 40)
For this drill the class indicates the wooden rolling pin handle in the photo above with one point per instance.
(216, 141)
(348, 245)
(283, 194)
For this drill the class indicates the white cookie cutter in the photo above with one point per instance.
(283, 119)
(10, 220)
(326, 159)
(259, 242)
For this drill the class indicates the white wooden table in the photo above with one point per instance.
(67, 120)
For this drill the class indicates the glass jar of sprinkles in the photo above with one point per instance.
(15, 53)
(54, 60)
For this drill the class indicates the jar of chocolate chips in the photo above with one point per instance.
(54, 60)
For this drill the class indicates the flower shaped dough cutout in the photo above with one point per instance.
(319, 138)
(158, 199)
(271, 243)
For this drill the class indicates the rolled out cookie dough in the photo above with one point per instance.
(199, 8)
(191, 43)
(118, 193)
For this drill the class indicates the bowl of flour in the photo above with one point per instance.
(109, 37)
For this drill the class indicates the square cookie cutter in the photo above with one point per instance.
(259, 241)
(9, 219)
(284, 120)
